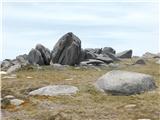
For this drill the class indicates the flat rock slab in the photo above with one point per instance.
(119, 82)
(54, 90)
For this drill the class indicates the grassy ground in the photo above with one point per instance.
(88, 104)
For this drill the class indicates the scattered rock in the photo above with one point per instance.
(67, 50)
(13, 68)
(92, 61)
(45, 52)
(35, 57)
(95, 50)
(6, 64)
(108, 50)
(119, 82)
(12, 76)
(22, 59)
(16, 102)
(9, 97)
(3, 72)
(150, 55)
(54, 90)
(124, 54)
(130, 106)
(105, 59)
(28, 77)
(140, 61)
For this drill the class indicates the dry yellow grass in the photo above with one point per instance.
(88, 104)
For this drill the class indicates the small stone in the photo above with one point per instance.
(16, 102)
(28, 77)
(3, 72)
(144, 119)
(130, 106)
(9, 97)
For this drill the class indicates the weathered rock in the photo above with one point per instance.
(67, 50)
(112, 56)
(22, 59)
(119, 82)
(6, 64)
(105, 59)
(35, 57)
(95, 50)
(16, 102)
(108, 50)
(124, 54)
(54, 90)
(13, 68)
(91, 61)
(45, 52)
(9, 97)
(140, 62)
(150, 55)
(90, 55)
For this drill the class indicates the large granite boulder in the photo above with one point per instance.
(45, 52)
(108, 50)
(35, 57)
(124, 54)
(119, 82)
(54, 90)
(67, 50)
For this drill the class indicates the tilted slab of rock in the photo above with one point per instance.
(54, 90)
(45, 52)
(108, 50)
(67, 50)
(124, 54)
(35, 57)
(119, 82)
(92, 61)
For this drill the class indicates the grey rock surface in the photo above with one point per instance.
(124, 54)
(54, 90)
(108, 50)
(13, 68)
(119, 82)
(92, 61)
(67, 50)
(140, 61)
(16, 102)
(150, 55)
(35, 57)
(45, 52)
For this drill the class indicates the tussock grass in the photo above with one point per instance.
(88, 103)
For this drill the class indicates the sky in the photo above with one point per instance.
(120, 25)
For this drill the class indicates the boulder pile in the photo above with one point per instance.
(67, 51)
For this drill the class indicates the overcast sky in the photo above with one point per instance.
(124, 25)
